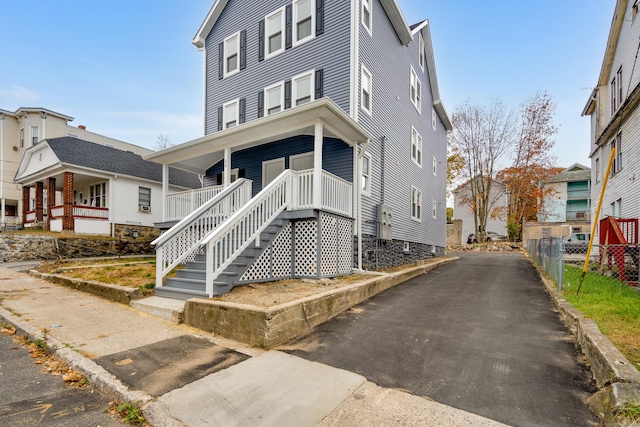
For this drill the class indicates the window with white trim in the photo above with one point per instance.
(416, 90)
(35, 135)
(365, 89)
(303, 21)
(366, 15)
(22, 138)
(416, 146)
(597, 170)
(98, 195)
(616, 91)
(144, 199)
(434, 208)
(231, 55)
(435, 166)
(434, 119)
(416, 204)
(230, 114)
(303, 88)
(274, 29)
(274, 98)
(421, 52)
(366, 174)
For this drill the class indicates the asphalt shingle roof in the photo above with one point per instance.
(78, 152)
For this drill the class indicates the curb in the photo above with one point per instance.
(617, 380)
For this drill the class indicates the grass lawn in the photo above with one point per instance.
(613, 305)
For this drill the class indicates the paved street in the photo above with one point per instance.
(31, 397)
(479, 334)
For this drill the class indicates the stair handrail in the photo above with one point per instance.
(227, 241)
(184, 222)
(183, 239)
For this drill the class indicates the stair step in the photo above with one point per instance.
(188, 273)
(181, 294)
(185, 283)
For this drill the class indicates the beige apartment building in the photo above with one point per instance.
(25, 128)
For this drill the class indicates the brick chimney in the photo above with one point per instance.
(83, 127)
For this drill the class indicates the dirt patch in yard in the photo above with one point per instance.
(141, 273)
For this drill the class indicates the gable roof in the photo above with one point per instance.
(575, 172)
(77, 152)
(390, 6)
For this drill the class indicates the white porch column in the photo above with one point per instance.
(112, 206)
(226, 178)
(165, 190)
(43, 115)
(317, 166)
(2, 208)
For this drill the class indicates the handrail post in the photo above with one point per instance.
(209, 270)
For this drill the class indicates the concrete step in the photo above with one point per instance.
(185, 283)
(169, 309)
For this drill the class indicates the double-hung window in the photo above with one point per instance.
(303, 21)
(366, 15)
(434, 118)
(231, 54)
(303, 88)
(274, 24)
(416, 204)
(421, 52)
(365, 89)
(274, 98)
(366, 174)
(616, 91)
(35, 135)
(616, 165)
(597, 177)
(416, 90)
(435, 166)
(434, 209)
(231, 112)
(416, 147)
(144, 199)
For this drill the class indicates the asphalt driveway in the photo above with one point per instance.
(480, 334)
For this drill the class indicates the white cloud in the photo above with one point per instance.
(19, 95)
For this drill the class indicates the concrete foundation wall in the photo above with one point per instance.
(380, 254)
(454, 233)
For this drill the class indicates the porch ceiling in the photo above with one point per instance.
(200, 154)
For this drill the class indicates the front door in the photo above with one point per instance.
(271, 169)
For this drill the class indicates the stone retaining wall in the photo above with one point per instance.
(380, 254)
(32, 247)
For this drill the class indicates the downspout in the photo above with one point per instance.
(382, 161)
(359, 202)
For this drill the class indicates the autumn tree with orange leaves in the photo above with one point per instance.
(484, 136)
(532, 162)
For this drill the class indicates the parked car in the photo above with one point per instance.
(577, 243)
(491, 236)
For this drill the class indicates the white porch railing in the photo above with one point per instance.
(337, 195)
(31, 216)
(81, 212)
(182, 240)
(226, 242)
(180, 205)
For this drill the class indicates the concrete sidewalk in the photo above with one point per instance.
(184, 376)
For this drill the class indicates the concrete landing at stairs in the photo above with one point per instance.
(168, 309)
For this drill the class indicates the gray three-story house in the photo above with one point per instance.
(324, 149)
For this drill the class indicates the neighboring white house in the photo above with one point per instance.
(615, 122)
(96, 188)
(567, 197)
(498, 202)
(24, 128)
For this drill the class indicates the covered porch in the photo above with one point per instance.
(67, 201)
(279, 202)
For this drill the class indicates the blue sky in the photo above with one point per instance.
(128, 69)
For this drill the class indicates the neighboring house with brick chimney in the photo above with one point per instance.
(99, 189)
(24, 128)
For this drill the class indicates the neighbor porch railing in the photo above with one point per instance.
(182, 241)
(180, 205)
(80, 212)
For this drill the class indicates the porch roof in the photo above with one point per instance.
(199, 154)
(66, 153)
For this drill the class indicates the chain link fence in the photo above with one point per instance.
(564, 262)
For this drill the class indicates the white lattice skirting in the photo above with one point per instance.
(306, 248)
